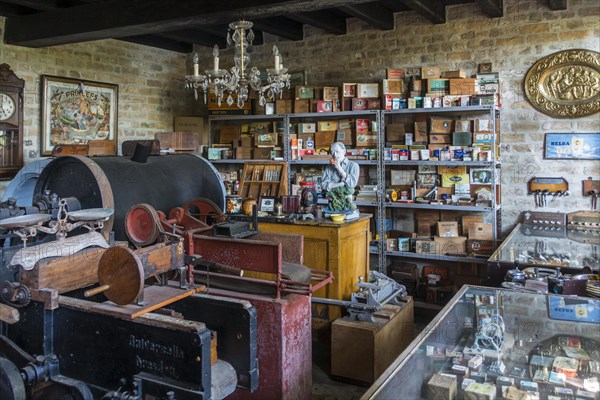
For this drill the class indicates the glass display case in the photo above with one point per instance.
(572, 250)
(495, 343)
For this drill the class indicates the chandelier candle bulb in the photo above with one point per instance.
(196, 66)
(277, 63)
(216, 57)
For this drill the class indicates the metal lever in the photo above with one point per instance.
(537, 197)
(544, 197)
(594, 195)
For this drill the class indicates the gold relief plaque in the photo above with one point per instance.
(565, 84)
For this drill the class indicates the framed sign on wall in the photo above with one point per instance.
(76, 111)
(572, 146)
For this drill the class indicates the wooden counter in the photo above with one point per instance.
(341, 248)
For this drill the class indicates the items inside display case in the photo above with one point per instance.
(502, 344)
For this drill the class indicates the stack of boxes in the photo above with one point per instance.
(257, 140)
(433, 88)
(360, 97)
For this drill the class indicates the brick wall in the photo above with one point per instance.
(151, 80)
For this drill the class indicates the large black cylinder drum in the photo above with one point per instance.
(164, 182)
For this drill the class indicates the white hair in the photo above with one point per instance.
(340, 145)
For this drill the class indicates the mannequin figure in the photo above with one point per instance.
(340, 171)
(339, 180)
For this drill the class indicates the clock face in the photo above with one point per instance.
(7, 106)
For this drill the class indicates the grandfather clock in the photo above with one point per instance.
(11, 123)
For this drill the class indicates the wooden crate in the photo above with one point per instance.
(361, 350)
(264, 179)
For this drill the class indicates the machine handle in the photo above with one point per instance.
(95, 291)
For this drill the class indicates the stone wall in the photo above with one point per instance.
(528, 31)
(151, 79)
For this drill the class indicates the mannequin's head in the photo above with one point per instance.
(338, 150)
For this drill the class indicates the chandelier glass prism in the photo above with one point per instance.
(240, 78)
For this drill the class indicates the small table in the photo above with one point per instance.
(339, 247)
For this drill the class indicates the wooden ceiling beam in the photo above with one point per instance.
(557, 4)
(435, 11)
(281, 26)
(492, 8)
(327, 20)
(162, 43)
(119, 18)
(373, 13)
(195, 36)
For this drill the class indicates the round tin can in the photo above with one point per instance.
(233, 204)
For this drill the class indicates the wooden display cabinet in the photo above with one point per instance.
(264, 179)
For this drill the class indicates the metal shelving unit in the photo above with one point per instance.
(493, 164)
(381, 206)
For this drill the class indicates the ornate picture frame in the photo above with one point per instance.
(76, 111)
(565, 84)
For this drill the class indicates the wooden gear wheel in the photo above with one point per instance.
(121, 273)
(204, 210)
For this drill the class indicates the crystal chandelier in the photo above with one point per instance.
(238, 79)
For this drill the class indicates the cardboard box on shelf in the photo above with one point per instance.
(447, 228)
(323, 106)
(463, 86)
(229, 133)
(460, 73)
(367, 90)
(262, 153)
(437, 85)
(344, 136)
(327, 125)
(349, 89)
(283, 106)
(301, 106)
(481, 231)
(331, 93)
(467, 220)
(440, 139)
(359, 104)
(243, 153)
(324, 138)
(394, 132)
(430, 72)
(395, 73)
(450, 245)
(393, 86)
(307, 127)
(480, 247)
(440, 125)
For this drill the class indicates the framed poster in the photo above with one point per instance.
(572, 146)
(480, 175)
(75, 111)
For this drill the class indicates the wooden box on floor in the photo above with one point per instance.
(361, 351)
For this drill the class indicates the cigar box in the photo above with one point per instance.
(430, 72)
(359, 104)
(480, 391)
(460, 73)
(442, 387)
(395, 73)
(367, 90)
(440, 125)
(394, 132)
(349, 89)
(331, 93)
(393, 86)
(301, 106)
(327, 125)
(450, 245)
